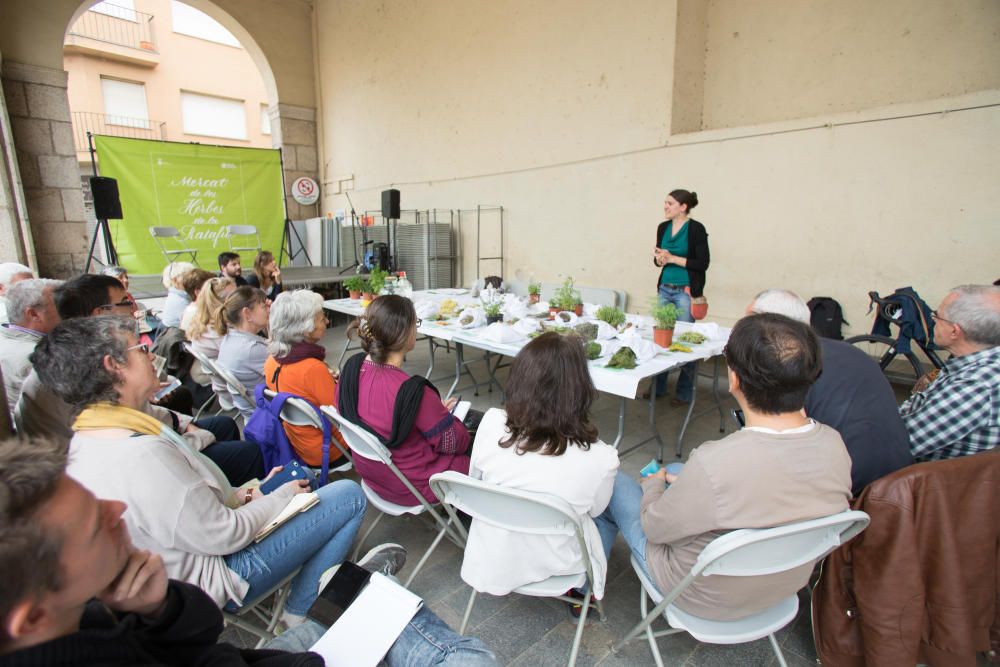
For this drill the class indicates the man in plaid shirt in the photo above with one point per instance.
(959, 412)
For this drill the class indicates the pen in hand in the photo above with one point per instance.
(454, 407)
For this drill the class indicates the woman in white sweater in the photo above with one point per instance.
(179, 503)
(544, 442)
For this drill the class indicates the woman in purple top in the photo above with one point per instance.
(405, 413)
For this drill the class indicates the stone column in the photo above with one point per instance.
(50, 177)
(293, 130)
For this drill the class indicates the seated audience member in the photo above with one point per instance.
(853, 396)
(180, 505)
(959, 412)
(76, 590)
(41, 413)
(266, 274)
(208, 324)
(177, 299)
(545, 442)
(296, 366)
(230, 267)
(242, 351)
(140, 312)
(32, 315)
(422, 434)
(192, 284)
(781, 467)
(10, 273)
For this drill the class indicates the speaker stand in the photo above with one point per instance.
(102, 228)
(286, 237)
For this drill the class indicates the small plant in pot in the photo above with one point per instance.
(565, 298)
(355, 285)
(376, 281)
(534, 292)
(664, 317)
(494, 312)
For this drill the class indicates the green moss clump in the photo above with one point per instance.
(592, 350)
(587, 331)
(623, 358)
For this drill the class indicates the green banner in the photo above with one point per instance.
(199, 191)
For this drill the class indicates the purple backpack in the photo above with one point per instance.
(266, 429)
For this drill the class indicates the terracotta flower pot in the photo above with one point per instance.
(367, 296)
(663, 337)
(553, 310)
(354, 294)
(534, 298)
(578, 309)
(699, 308)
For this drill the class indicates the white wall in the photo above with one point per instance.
(560, 111)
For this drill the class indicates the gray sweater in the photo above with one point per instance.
(175, 506)
(746, 480)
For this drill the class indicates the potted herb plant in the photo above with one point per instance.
(565, 298)
(376, 281)
(534, 292)
(494, 312)
(355, 285)
(665, 317)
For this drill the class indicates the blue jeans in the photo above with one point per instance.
(685, 383)
(622, 515)
(316, 540)
(426, 640)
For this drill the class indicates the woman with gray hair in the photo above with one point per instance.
(296, 365)
(179, 503)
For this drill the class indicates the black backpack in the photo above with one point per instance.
(826, 316)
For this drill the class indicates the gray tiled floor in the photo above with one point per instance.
(531, 631)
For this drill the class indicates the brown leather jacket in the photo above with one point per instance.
(922, 583)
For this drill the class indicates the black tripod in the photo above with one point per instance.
(357, 266)
(286, 238)
(102, 228)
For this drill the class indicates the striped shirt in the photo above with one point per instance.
(959, 413)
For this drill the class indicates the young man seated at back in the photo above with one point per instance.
(781, 467)
(230, 267)
(75, 591)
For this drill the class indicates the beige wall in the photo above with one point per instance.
(185, 64)
(560, 111)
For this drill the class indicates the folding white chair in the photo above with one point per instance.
(221, 395)
(364, 444)
(522, 512)
(179, 246)
(746, 553)
(260, 617)
(242, 398)
(299, 412)
(239, 231)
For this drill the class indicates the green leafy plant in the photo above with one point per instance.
(534, 288)
(493, 309)
(623, 358)
(376, 280)
(611, 315)
(566, 296)
(355, 284)
(692, 337)
(664, 314)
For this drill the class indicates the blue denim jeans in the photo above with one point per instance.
(622, 515)
(685, 383)
(316, 540)
(426, 640)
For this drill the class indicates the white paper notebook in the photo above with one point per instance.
(462, 410)
(368, 628)
(300, 502)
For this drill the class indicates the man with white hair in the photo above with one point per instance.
(10, 273)
(851, 395)
(32, 314)
(959, 412)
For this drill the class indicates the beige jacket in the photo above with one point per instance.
(746, 480)
(15, 347)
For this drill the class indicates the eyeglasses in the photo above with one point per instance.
(143, 347)
(124, 303)
(935, 315)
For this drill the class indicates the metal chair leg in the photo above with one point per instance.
(468, 612)
(777, 650)
(580, 623)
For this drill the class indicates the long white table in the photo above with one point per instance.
(623, 383)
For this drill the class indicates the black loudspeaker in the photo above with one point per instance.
(107, 205)
(390, 204)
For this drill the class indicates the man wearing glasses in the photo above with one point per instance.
(959, 412)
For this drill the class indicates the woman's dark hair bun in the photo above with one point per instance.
(685, 198)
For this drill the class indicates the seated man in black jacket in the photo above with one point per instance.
(73, 589)
(852, 396)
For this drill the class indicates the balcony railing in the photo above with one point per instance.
(113, 24)
(115, 126)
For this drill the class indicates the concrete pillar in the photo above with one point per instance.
(293, 130)
(43, 139)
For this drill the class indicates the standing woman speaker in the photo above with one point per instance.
(682, 253)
